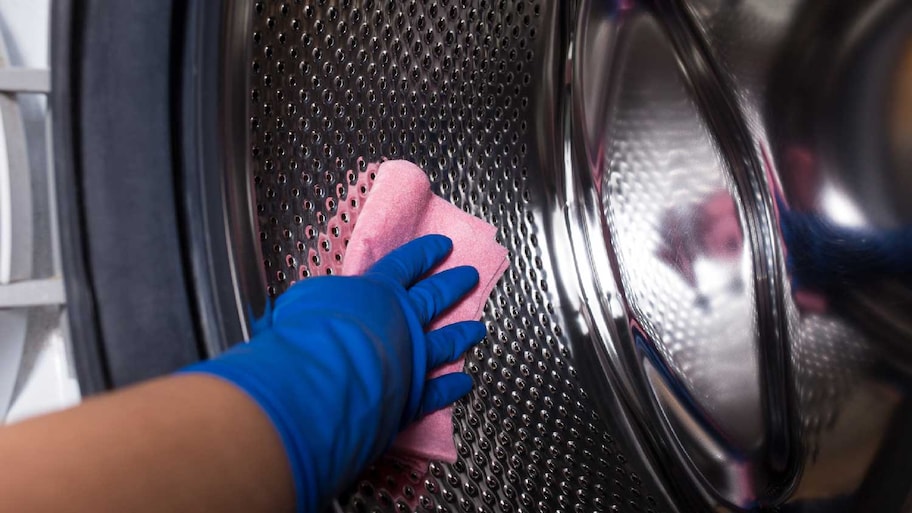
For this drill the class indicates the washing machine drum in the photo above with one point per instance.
(707, 300)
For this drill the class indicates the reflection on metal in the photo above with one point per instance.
(217, 203)
(742, 195)
(707, 208)
(827, 85)
(240, 220)
(470, 91)
(16, 235)
(698, 338)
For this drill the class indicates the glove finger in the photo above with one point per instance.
(441, 291)
(449, 342)
(443, 391)
(412, 260)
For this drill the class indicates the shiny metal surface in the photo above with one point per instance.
(228, 283)
(759, 256)
(465, 90)
(708, 300)
(679, 220)
(826, 87)
(239, 221)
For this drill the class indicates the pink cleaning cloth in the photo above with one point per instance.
(400, 208)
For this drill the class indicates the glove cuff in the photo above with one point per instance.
(231, 369)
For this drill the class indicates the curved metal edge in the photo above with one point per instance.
(608, 335)
(88, 353)
(877, 308)
(720, 109)
(242, 226)
(218, 222)
(561, 223)
(611, 351)
(245, 251)
(606, 312)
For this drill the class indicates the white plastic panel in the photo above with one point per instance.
(36, 372)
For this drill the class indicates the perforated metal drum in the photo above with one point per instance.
(706, 305)
(456, 87)
(708, 301)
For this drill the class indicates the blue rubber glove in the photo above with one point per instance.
(339, 364)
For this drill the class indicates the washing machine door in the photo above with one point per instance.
(707, 302)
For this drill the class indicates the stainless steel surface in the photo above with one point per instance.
(793, 196)
(676, 216)
(825, 90)
(457, 87)
(230, 285)
(708, 300)
(240, 221)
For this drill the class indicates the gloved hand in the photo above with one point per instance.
(339, 363)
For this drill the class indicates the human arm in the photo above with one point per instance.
(180, 443)
(335, 370)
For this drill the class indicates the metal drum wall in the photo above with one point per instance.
(456, 87)
(707, 301)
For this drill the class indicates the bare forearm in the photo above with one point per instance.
(183, 443)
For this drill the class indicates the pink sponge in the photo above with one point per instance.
(399, 208)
